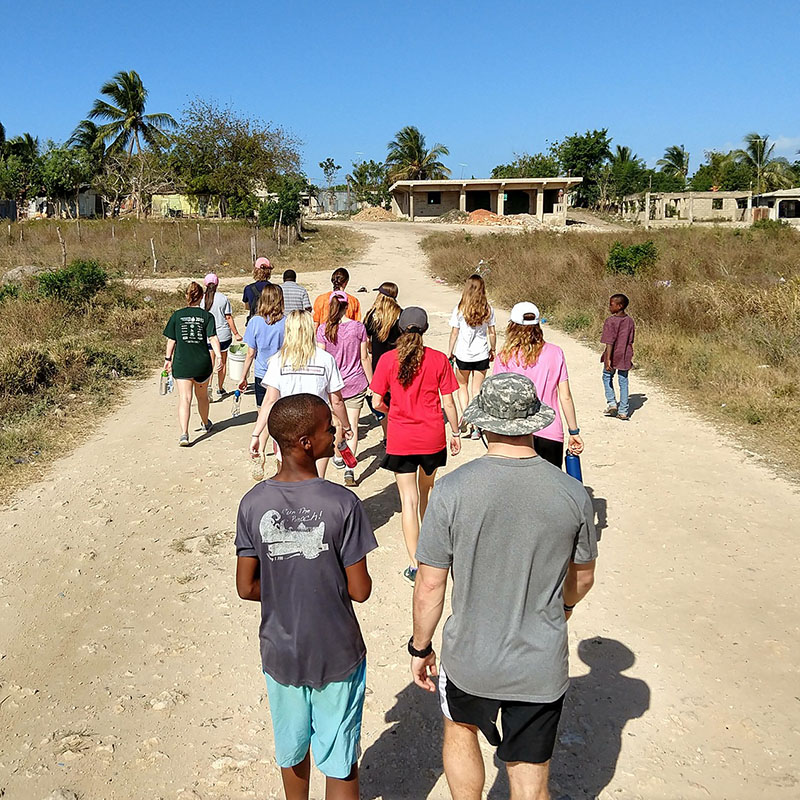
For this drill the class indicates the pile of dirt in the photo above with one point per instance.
(375, 214)
(454, 216)
(483, 217)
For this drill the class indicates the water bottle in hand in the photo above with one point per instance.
(257, 467)
(170, 383)
(237, 404)
(346, 455)
(573, 466)
(163, 383)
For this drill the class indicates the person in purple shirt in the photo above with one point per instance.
(346, 340)
(617, 336)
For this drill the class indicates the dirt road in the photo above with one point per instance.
(129, 668)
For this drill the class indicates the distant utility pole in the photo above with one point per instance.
(461, 176)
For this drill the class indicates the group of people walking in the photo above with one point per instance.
(515, 533)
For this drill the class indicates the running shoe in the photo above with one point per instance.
(338, 462)
(410, 574)
(207, 427)
(349, 478)
(219, 394)
(611, 411)
(476, 434)
(184, 440)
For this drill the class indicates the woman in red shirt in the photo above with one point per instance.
(411, 384)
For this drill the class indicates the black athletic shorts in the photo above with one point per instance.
(406, 464)
(529, 729)
(550, 450)
(223, 346)
(473, 366)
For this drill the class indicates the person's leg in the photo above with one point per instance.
(462, 379)
(550, 450)
(623, 392)
(425, 483)
(409, 515)
(528, 781)
(343, 788)
(201, 393)
(297, 779)
(463, 762)
(184, 404)
(223, 371)
(478, 377)
(608, 385)
(354, 414)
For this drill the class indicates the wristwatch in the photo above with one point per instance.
(419, 653)
(574, 432)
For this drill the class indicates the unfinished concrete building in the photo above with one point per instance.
(676, 208)
(544, 198)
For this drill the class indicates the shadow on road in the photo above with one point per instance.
(635, 402)
(406, 761)
(600, 505)
(383, 506)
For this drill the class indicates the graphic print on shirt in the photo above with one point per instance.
(309, 369)
(291, 533)
(193, 329)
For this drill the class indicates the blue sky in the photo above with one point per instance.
(485, 78)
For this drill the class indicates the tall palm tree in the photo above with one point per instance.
(25, 146)
(86, 136)
(623, 155)
(408, 160)
(771, 173)
(675, 161)
(127, 123)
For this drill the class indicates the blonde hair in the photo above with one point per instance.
(410, 351)
(298, 340)
(270, 303)
(384, 313)
(525, 342)
(194, 291)
(474, 306)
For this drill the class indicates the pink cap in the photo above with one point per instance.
(211, 278)
(263, 262)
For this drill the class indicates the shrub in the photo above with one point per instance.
(77, 283)
(103, 360)
(576, 321)
(770, 225)
(25, 369)
(8, 290)
(631, 259)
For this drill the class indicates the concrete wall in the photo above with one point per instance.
(424, 209)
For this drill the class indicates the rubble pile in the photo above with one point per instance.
(375, 214)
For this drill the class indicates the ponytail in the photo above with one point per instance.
(338, 309)
(410, 351)
(211, 291)
(340, 278)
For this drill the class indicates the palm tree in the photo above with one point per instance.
(408, 160)
(623, 155)
(25, 146)
(127, 123)
(2, 140)
(86, 136)
(675, 161)
(771, 173)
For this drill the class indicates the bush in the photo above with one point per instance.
(286, 208)
(576, 321)
(8, 290)
(631, 259)
(24, 369)
(77, 283)
(243, 207)
(770, 225)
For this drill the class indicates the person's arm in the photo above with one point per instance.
(452, 343)
(232, 325)
(366, 360)
(580, 578)
(492, 330)
(449, 405)
(340, 412)
(214, 341)
(248, 362)
(359, 583)
(574, 443)
(248, 578)
(607, 357)
(168, 357)
(378, 404)
(272, 396)
(429, 592)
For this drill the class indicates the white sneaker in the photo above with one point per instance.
(338, 462)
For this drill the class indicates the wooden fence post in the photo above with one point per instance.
(253, 250)
(155, 260)
(280, 225)
(78, 226)
(199, 243)
(113, 232)
(63, 247)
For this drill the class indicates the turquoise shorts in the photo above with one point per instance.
(328, 720)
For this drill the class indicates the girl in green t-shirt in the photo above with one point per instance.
(189, 332)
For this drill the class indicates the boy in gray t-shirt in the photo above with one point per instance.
(302, 544)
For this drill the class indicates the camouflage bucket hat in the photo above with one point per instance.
(507, 404)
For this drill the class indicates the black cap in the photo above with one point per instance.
(413, 320)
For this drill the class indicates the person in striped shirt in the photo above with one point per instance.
(295, 297)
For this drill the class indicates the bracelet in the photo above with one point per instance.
(424, 653)
(569, 608)
(255, 435)
(455, 435)
(574, 432)
(167, 358)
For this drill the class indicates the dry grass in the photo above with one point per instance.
(724, 334)
(123, 246)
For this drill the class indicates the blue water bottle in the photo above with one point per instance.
(572, 464)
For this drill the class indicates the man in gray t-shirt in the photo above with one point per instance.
(519, 537)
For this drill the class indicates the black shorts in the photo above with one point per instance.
(473, 366)
(550, 450)
(407, 464)
(261, 391)
(529, 729)
(223, 346)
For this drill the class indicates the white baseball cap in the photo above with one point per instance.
(520, 310)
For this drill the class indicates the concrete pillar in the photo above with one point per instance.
(540, 203)
(462, 200)
(411, 204)
(691, 208)
(501, 201)
(647, 209)
(748, 215)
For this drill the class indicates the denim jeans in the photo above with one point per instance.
(608, 378)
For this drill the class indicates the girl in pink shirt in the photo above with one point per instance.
(526, 353)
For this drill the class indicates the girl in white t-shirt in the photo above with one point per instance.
(473, 339)
(300, 367)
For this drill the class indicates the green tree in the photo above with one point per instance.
(625, 174)
(369, 183)
(2, 140)
(63, 172)
(220, 154)
(770, 172)
(329, 168)
(525, 165)
(410, 160)
(127, 124)
(675, 162)
(583, 155)
(722, 172)
(20, 169)
(87, 137)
